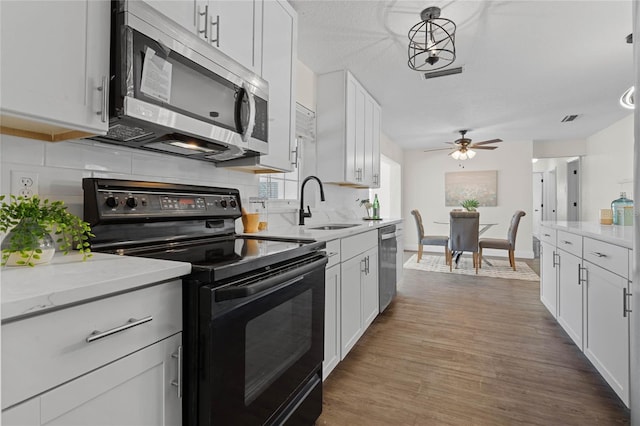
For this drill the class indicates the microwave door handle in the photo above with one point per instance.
(248, 130)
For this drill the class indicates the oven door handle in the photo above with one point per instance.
(277, 281)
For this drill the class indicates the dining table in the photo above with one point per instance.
(484, 227)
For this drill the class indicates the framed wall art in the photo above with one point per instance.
(482, 185)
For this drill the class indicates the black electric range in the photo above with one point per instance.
(253, 308)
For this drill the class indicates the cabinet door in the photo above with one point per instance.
(350, 304)
(606, 342)
(331, 321)
(231, 25)
(55, 58)
(136, 389)
(278, 68)
(360, 125)
(548, 277)
(370, 289)
(184, 13)
(375, 166)
(367, 153)
(570, 300)
(351, 166)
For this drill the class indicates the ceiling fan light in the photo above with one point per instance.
(463, 156)
(471, 153)
(455, 155)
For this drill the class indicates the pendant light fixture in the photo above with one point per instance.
(432, 42)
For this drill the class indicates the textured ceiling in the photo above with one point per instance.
(526, 64)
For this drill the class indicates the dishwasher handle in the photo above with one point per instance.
(388, 236)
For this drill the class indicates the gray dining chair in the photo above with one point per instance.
(430, 240)
(464, 228)
(508, 244)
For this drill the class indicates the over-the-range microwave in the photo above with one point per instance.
(172, 92)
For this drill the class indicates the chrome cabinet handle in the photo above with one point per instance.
(331, 254)
(580, 278)
(217, 24)
(567, 242)
(294, 163)
(105, 99)
(554, 259)
(547, 235)
(130, 324)
(364, 265)
(598, 254)
(205, 14)
(178, 382)
(625, 295)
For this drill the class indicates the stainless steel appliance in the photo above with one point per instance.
(388, 249)
(253, 309)
(171, 92)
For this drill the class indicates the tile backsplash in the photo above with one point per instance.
(62, 165)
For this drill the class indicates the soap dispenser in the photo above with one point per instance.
(617, 207)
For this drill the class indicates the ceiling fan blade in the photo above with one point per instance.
(437, 149)
(487, 142)
(482, 147)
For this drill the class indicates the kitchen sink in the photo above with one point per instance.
(333, 227)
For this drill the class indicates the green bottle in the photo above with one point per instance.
(376, 207)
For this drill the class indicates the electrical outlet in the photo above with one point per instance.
(24, 183)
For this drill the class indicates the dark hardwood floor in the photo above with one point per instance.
(460, 350)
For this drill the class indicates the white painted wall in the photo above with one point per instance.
(607, 169)
(560, 166)
(423, 179)
(559, 148)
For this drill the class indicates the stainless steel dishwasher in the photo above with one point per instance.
(388, 249)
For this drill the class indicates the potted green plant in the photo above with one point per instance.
(30, 223)
(470, 204)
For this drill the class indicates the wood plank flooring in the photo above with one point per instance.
(458, 350)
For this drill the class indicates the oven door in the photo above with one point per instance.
(261, 344)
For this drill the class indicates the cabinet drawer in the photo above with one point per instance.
(44, 351)
(571, 243)
(548, 235)
(333, 253)
(354, 245)
(608, 256)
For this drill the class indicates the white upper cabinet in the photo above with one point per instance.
(348, 131)
(182, 12)
(55, 63)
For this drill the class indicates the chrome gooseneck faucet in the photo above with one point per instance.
(302, 213)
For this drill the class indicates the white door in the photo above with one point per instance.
(573, 190)
(537, 202)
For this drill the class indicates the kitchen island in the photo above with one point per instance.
(585, 284)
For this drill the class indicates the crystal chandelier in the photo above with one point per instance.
(432, 42)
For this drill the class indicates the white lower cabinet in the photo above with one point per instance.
(93, 364)
(370, 290)
(585, 281)
(606, 342)
(548, 278)
(570, 298)
(331, 320)
(351, 304)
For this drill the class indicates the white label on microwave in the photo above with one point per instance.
(156, 76)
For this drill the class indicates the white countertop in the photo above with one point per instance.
(68, 280)
(614, 234)
(305, 232)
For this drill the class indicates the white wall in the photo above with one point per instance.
(424, 190)
(607, 169)
(560, 166)
(559, 148)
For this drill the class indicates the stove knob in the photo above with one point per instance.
(223, 204)
(233, 203)
(132, 202)
(111, 202)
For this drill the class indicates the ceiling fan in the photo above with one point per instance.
(464, 149)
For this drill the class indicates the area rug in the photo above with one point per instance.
(497, 269)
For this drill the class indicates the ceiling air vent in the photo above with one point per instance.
(441, 73)
(568, 118)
